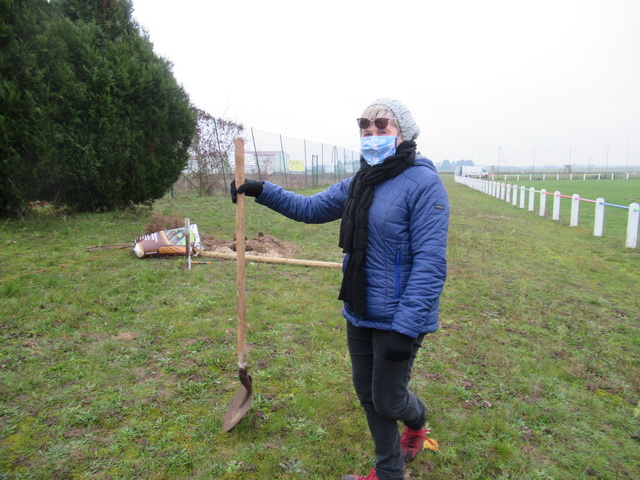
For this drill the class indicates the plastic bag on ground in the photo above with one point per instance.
(168, 243)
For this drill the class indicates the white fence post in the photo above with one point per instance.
(532, 196)
(632, 225)
(575, 210)
(504, 192)
(598, 224)
(556, 205)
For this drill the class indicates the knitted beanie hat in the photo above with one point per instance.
(408, 127)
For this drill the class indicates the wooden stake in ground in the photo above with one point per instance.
(187, 227)
(242, 401)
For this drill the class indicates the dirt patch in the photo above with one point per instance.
(261, 245)
(160, 222)
(126, 336)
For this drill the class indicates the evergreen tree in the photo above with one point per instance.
(95, 119)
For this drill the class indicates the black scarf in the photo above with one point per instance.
(355, 219)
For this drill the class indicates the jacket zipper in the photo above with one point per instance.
(398, 279)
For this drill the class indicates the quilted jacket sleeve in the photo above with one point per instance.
(322, 207)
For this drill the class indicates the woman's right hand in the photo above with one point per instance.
(252, 188)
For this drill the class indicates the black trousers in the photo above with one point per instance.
(382, 388)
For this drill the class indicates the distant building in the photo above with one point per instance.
(270, 161)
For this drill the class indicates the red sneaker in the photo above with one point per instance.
(371, 476)
(411, 442)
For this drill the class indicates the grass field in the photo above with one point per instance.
(114, 367)
(617, 192)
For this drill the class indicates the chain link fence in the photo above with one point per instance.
(290, 162)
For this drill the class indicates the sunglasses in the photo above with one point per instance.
(380, 123)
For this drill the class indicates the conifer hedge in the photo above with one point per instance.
(90, 117)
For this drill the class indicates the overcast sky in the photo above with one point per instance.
(504, 82)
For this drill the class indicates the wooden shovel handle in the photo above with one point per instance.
(240, 251)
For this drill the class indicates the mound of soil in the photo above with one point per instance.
(264, 245)
(160, 222)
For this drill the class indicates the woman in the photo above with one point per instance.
(395, 217)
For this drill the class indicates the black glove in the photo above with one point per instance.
(399, 347)
(252, 188)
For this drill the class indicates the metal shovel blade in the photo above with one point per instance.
(240, 403)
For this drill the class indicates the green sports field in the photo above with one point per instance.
(620, 192)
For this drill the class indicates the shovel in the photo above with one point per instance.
(242, 401)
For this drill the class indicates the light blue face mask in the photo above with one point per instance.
(375, 149)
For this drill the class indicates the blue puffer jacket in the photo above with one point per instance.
(406, 255)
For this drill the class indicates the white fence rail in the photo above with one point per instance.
(516, 195)
(564, 176)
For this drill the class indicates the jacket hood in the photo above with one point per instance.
(424, 161)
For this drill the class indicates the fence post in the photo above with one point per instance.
(255, 154)
(532, 196)
(632, 225)
(598, 224)
(306, 178)
(515, 195)
(556, 205)
(543, 201)
(284, 163)
(508, 194)
(522, 195)
(575, 209)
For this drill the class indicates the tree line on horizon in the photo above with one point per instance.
(449, 166)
